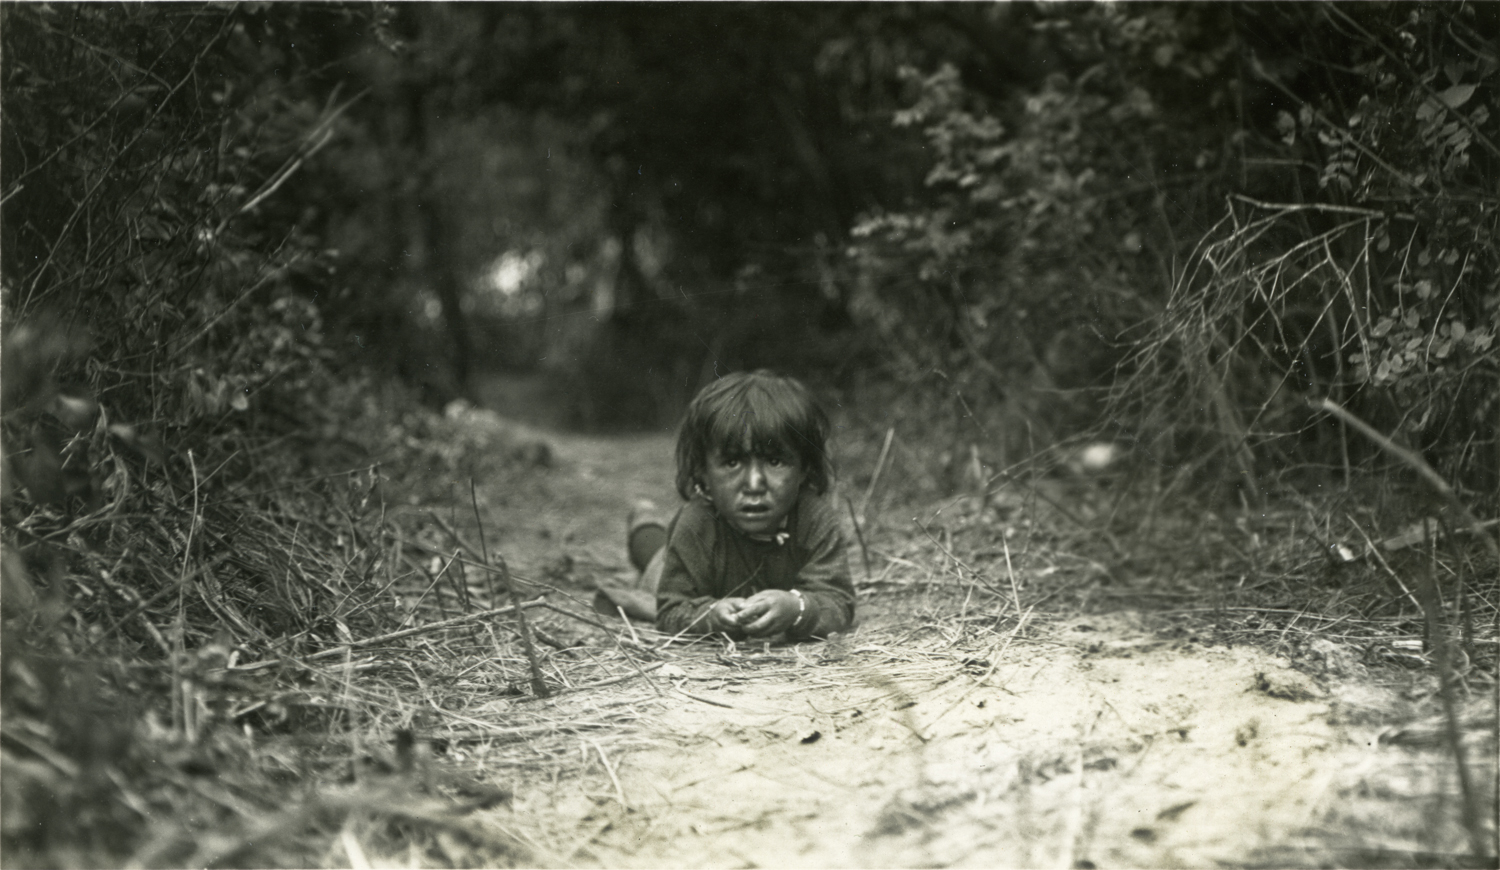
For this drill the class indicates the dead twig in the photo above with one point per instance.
(609, 768)
(538, 684)
(983, 580)
(583, 619)
(476, 553)
(404, 633)
(1109, 538)
(864, 503)
(1375, 551)
(1416, 463)
(640, 672)
(864, 552)
(314, 142)
(709, 701)
(489, 583)
(1436, 632)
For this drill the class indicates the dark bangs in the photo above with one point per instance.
(761, 413)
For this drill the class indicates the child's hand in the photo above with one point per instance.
(768, 612)
(725, 615)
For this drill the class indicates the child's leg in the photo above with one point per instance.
(646, 541)
(650, 578)
(645, 534)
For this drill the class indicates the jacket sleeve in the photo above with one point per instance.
(824, 580)
(685, 591)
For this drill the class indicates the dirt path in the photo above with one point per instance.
(926, 739)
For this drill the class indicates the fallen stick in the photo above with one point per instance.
(583, 619)
(404, 633)
(709, 701)
(1417, 464)
(864, 503)
(515, 735)
(489, 582)
(608, 768)
(1386, 565)
(475, 563)
(475, 552)
(864, 552)
(538, 685)
(1436, 632)
(640, 672)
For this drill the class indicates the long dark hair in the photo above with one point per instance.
(774, 415)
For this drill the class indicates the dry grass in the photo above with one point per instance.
(219, 659)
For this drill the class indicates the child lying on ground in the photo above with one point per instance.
(757, 549)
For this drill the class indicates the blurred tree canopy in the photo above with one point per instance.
(1184, 219)
(643, 191)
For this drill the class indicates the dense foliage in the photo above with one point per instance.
(1215, 213)
(186, 476)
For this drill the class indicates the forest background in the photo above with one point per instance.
(258, 243)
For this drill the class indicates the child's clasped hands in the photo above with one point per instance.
(766, 613)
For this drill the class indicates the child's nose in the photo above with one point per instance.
(755, 475)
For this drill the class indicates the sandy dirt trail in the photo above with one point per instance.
(923, 739)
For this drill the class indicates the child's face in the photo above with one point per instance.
(753, 493)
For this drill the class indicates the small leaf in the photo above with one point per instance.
(1459, 330)
(1286, 125)
(1456, 96)
(1385, 325)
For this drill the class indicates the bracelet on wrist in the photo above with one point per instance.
(801, 608)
